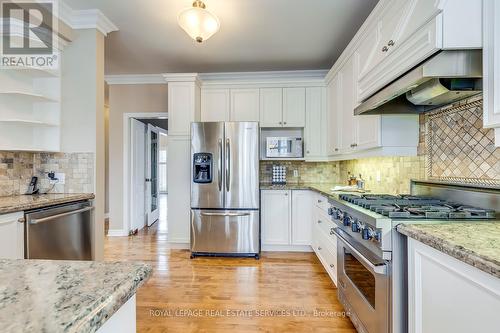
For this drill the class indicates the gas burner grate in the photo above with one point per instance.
(415, 207)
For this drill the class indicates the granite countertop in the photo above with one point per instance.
(18, 203)
(475, 243)
(321, 188)
(64, 296)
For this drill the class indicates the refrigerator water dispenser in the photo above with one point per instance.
(202, 168)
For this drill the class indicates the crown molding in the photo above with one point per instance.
(266, 77)
(86, 19)
(135, 79)
(181, 77)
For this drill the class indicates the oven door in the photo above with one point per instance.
(364, 285)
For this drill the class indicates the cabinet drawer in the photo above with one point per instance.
(323, 222)
(321, 202)
(325, 248)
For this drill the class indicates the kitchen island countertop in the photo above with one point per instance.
(65, 296)
(476, 243)
(17, 203)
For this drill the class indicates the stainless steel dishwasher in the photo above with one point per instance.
(60, 232)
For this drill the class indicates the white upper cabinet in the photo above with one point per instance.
(215, 104)
(294, 107)
(491, 70)
(314, 131)
(406, 32)
(271, 107)
(333, 116)
(244, 105)
(183, 107)
(347, 126)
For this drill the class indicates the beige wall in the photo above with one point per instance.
(82, 116)
(147, 98)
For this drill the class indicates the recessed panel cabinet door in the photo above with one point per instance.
(315, 123)
(347, 84)
(215, 105)
(244, 105)
(11, 236)
(271, 107)
(294, 107)
(275, 214)
(301, 217)
(334, 103)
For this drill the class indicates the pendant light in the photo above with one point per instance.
(198, 22)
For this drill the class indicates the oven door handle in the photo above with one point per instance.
(376, 268)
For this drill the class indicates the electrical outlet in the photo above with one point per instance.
(379, 177)
(61, 178)
(295, 173)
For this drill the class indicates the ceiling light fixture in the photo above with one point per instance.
(198, 22)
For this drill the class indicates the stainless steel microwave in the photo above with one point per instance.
(284, 147)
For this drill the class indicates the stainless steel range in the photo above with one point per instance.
(372, 262)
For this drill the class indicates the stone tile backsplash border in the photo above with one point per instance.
(17, 168)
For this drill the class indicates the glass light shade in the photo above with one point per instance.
(198, 23)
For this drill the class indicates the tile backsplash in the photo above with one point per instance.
(17, 168)
(308, 172)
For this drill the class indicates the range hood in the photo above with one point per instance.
(444, 78)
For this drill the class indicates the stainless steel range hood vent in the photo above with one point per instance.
(447, 77)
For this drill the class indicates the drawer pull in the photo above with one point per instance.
(319, 221)
(385, 49)
(332, 265)
(319, 248)
(319, 201)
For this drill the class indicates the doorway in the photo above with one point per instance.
(148, 156)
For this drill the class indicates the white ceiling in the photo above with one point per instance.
(255, 35)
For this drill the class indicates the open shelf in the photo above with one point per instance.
(28, 122)
(33, 71)
(28, 95)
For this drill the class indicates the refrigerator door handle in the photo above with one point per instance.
(219, 166)
(228, 165)
(225, 214)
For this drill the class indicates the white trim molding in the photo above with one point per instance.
(86, 19)
(117, 233)
(266, 77)
(182, 77)
(135, 79)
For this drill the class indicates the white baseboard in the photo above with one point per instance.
(286, 248)
(179, 245)
(117, 233)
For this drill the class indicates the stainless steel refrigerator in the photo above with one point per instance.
(225, 216)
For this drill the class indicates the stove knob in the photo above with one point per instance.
(367, 233)
(356, 226)
(339, 215)
(347, 220)
(331, 211)
(378, 236)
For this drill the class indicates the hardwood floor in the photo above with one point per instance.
(278, 293)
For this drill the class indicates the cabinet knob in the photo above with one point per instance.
(21, 220)
(281, 123)
(319, 221)
(390, 43)
(332, 265)
(319, 248)
(385, 49)
(336, 149)
(286, 194)
(308, 152)
(284, 123)
(320, 201)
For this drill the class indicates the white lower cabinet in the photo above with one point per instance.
(275, 217)
(324, 242)
(298, 220)
(11, 236)
(301, 218)
(286, 218)
(448, 295)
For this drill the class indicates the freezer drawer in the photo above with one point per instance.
(225, 232)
